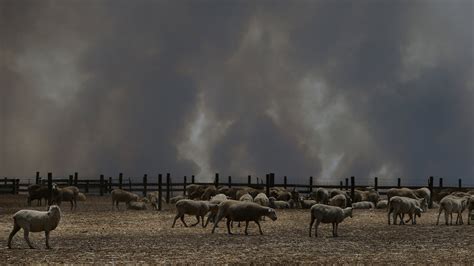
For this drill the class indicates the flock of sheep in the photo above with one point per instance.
(246, 204)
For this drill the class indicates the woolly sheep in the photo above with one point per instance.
(243, 211)
(136, 205)
(320, 195)
(369, 195)
(246, 197)
(306, 204)
(37, 192)
(400, 206)
(65, 194)
(423, 193)
(450, 204)
(334, 192)
(278, 204)
(470, 208)
(262, 200)
(35, 221)
(405, 192)
(81, 197)
(209, 192)
(191, 207)
(119, 195)
(194, 191)
(328, 214)
(338, 200)
(218, 198)
(173, 200)
(382, 204)
(363, 205)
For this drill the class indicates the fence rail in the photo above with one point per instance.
(105, 185)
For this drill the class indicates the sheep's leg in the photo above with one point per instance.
(446, 217)
(395, 215)
(207, 221)
(15, 230)
(311, 225)
(182, 220)
(316, 228)
(439, 214)
(451, 221)
(202, 221)
(336, 227)
(26, 235)
(46, 234)
(259, 228)
(216, 221)
(228, 226)
(246, 226)
(333, 229)
(175, 218)
(197, 218)
(388, 216)
(72, 205)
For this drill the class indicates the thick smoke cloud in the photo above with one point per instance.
(322, 88)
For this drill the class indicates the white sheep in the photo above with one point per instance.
(306, 204)
(175, 199)
(338, 200)
(320, 195)
(382, 204)
(328, 214)
(197, 208)
(450, 204)
(246, 197)
(470, 208)
(243, 211)
(363, 205)
(136, 205)
(119, 195)
(406, 192)
(262, 200)
(278, 204)
(400, 206)
(35, 221)
(81, 197)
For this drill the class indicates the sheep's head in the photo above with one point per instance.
(348, 212)
(272, 214)
(53, 209)
(424, 204)
(418, 211)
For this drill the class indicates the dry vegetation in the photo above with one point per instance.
(96, 234)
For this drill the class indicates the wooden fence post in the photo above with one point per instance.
(216, 180)
(192, 179)
(76, 177)
(440, 182)
(285, 181)
(37, 178)
(50, 188)
(310, 184)
(120, 180)
(352, 188)
(229, 182)
(6, 181)
(249, 179)
(272, 179)
(168, 186)
(376, 183)
(185, 184)
(160, 192)
(347, 184)
(267, 184)
(145, 185)
(399, 182)
(101, 185)
(17, 186)
(87, 186)
(430, 186)
(70, 180)
(460, 183)
(110, 185)
(340, 185)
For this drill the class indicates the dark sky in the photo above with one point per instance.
(323, 88)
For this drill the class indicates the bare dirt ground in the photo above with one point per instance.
(97, 234)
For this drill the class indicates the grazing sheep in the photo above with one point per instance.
(320, 195)
(369, 195)
(246, 197)
(405, 192)
(191, 207)
(209, 192)
(173, 200)
(37, 192)
(262, 200)
(328, 214)
(470, 208)
(306, 204)
(450, 204)
(35, 221)
(334, 192)
(423, 193)
(243, 211)
(65, 194)
(136, 205)
(81, 197)
(363, 205)
(278, 204)
(338, 200)
(400, 206)
(194, 191)
(119, 195)
(382, 204)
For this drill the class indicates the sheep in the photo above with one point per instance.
(363, 205)
(328, 214)
(400, 206)
(218, 198)
(262, 199)
(194, 191)
(35, 221)
(338, 200)
(246, 197)
(470, 208)
(37, 192)
(191, 207)
(136, 205)
(406, 192)
(382, 204)
(369, 195)
(119, 195)
(173, 200)
(81, 197)
(209, 192)
(334, 192)
(450, 204)
(321, 195)
(243, 211)
(278, 204)
(306, 204)
(65, 194)
(423, 193)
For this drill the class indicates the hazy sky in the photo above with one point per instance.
(323, 88)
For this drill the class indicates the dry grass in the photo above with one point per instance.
(96, 234)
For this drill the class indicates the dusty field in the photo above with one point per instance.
(96, 234)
